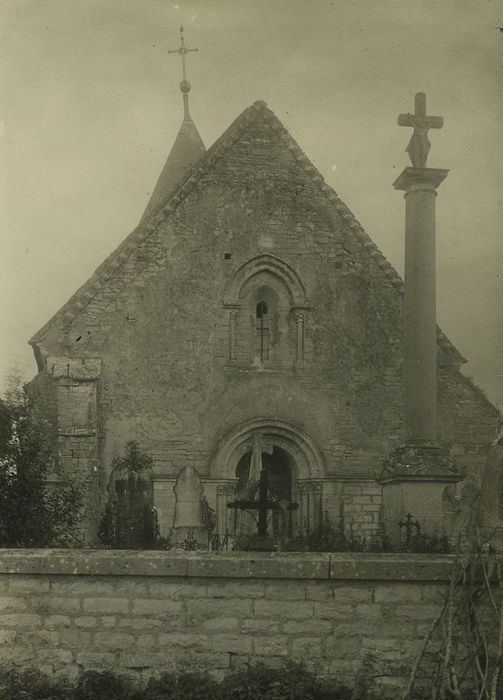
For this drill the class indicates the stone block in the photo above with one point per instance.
(82, 586)
(287, 590)
(284, 610)
(415, 613)
(108, 621)
(93, 659)
(231, 643)
(114, 640)
(86, 621)
(105, 605)
(157, 606)
(306, 647)
(168, 588)
(55, 656)
(16, 655)
(52, 621)
(141, 623)
(75, 638)
(342, 647)
(198, 660)
(139, 660)
(20, 620)
(331, 610)
(353, 594)
(398, 593)
(305, 627)
(260, 625)
(183, 639)
(55, 604)
(199, 610)
(20, 584)
(372, 612)
(221, 624)
(272, 645)
(12, 605)
(7, 636)
(236, 589)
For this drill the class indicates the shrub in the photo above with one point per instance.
(102, 685)
(31, 685)
(33, 513)
(130, 519)
(292, 682)
(171, 686)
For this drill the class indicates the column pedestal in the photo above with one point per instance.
(414, 480)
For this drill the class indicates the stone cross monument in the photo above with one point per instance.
(416, 474)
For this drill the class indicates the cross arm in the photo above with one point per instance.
(435, 122)
(405, 119)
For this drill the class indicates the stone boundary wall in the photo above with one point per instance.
(139, 612)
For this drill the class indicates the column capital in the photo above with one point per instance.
(424, 178)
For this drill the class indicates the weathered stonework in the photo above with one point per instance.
(161, 345)
(142, 612)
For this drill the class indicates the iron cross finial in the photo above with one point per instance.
(183, 50)
(419, 144)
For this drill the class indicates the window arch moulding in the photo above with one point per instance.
(288, 277)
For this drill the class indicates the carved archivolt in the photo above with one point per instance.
(307, 459)
(265, 263)
(281, 276)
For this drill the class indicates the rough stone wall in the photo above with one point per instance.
(162, 332)
(143, 612)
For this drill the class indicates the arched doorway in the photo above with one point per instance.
(278, 465)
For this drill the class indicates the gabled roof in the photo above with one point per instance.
(335, 207)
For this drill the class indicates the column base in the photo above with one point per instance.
(414, 482)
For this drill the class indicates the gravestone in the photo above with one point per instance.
(188, 525)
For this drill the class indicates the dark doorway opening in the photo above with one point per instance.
(278, 471)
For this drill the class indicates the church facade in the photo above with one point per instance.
(249, 301)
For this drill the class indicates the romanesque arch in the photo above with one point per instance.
(305, 454)
(266, 263)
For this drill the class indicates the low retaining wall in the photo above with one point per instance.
(64, 611)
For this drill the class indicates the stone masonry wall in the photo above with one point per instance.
(159, 325)
(140, 612)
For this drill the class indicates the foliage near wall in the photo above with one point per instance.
(38, 508)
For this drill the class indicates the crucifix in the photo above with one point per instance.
(419, 144)
(264, 502)
(184, 85)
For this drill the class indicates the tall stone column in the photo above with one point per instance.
(416, 474)
(420, 326)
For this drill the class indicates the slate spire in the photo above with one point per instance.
(186, 151)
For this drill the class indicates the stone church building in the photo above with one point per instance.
(248, 300)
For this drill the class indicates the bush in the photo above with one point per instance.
(102, 685)
(33, 513)
(31, 685)
(171, 686)
(130, 519)
(291, 682)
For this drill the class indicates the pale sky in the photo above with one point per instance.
(90, 107)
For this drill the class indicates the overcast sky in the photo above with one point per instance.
(90, 107)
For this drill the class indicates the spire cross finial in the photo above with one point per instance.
(419, 144)
(182, 51)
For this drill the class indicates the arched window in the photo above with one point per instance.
(262, 330)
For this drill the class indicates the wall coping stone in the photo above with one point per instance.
(285, 565)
